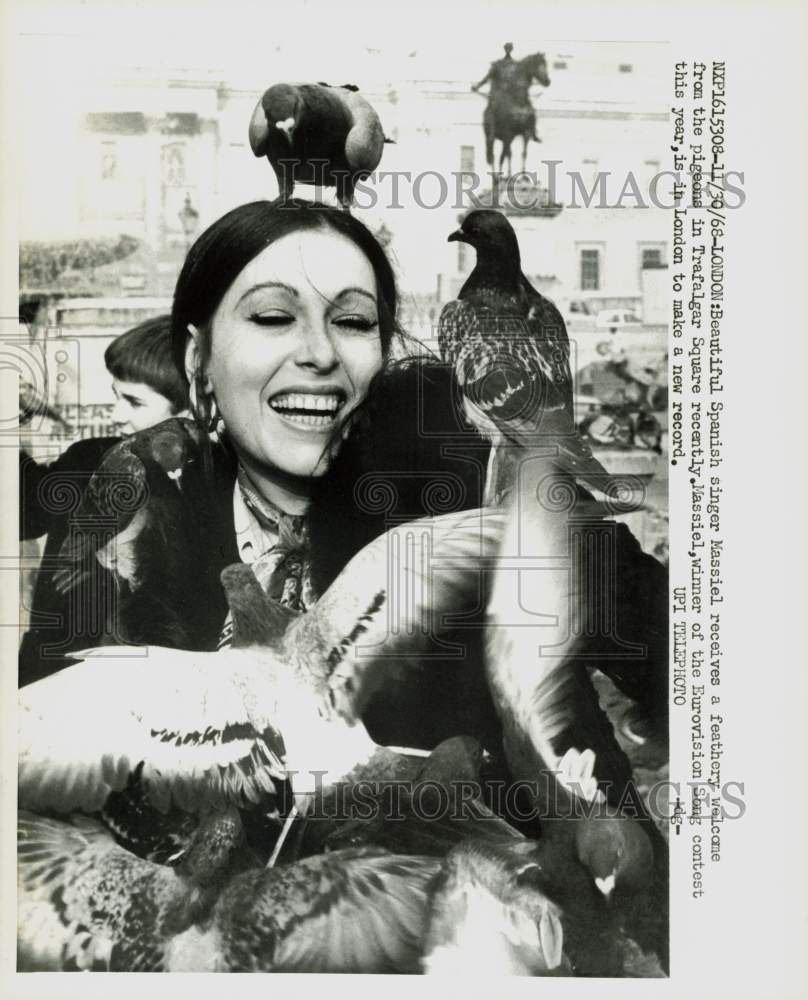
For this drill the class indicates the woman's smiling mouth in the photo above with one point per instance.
(316, 410)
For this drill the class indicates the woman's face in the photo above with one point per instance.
(294, 345)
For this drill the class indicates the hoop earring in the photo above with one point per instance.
(213, 415)
(204, 408)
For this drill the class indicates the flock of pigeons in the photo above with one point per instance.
(218, 738)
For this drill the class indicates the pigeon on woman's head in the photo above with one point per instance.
(313, 133)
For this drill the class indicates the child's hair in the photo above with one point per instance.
(144, 354)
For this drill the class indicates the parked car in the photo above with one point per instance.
(617, 319)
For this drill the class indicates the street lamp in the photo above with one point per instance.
(189, 219)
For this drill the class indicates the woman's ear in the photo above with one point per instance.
(193, 358)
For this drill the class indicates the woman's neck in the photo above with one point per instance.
(291, 494)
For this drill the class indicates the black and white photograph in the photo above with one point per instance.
(381, 480)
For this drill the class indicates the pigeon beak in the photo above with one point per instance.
(458, 236)
(287, 126)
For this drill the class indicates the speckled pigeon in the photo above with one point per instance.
(510, 350)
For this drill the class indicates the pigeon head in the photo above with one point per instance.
(283, 107)
(217, 839)
(257, 619)
(490, 234)
(617, 853)
(456, 759)
(502, 888)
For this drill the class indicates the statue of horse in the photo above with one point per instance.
(509, 112)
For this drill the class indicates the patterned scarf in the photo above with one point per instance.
(284, 568)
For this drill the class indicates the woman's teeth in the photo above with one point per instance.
(307, 409)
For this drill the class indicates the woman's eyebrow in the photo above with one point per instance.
(355, 291)
(267, 284)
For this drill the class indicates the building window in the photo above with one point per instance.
(559, 64)
(625, 68)
(109, 161)
(467, 159)
(651, 258)
(590, 270)
(174, 165)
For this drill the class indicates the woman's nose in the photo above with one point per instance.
(315, 348)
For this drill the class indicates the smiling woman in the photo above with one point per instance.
(290, 353)
(283, 323)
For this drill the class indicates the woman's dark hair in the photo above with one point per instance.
(145, 354)
(225, 248)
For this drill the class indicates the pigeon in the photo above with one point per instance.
(124, 499)
(426, 812)
(224, 727)
(102, 907)
(88, 904)
(554, 730)
(510, 350)
(313, 133)
(486, 897)
(491, 872)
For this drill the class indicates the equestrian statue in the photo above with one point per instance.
(509, 112)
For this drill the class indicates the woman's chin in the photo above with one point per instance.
(301, 462)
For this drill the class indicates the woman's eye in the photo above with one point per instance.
(355, 322)
(272, 319)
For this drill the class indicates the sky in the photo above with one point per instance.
(433, 40)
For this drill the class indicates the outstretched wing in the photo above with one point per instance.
(201, 723)
(75, 890)
(356, 910)
(541, 606)
(392, 600)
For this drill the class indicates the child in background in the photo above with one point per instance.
(148, 389)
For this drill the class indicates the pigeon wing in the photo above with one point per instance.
(538, 609)
(259, 130)
(112, 513)
(199, 722)
(392, 600)
(355, 910)
(515, 376)
(76, 882)
(126, 495)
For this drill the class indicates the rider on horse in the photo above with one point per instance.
(499, 72)
(509, 112)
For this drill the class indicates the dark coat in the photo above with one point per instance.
(49, 495)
